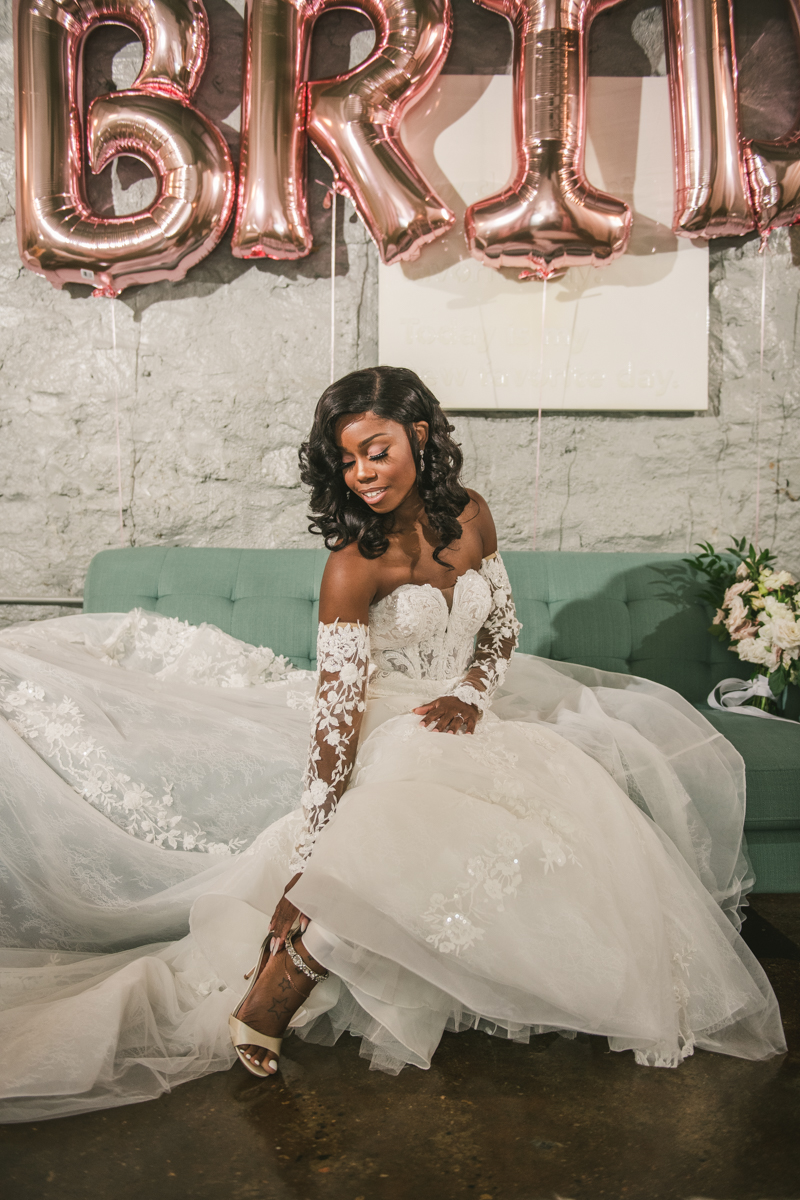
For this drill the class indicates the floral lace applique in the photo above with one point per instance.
(169, 648)
(558, 848)
(59, 728)
(702, 847)
(682, 953)
(496, 640)
(456, 923)
(343, 661)
(485, 746)
(302, 701)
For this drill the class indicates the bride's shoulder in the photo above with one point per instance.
(477, 516)
(348, 586)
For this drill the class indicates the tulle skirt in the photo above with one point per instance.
(576, 864)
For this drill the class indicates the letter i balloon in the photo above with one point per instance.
(549, 217)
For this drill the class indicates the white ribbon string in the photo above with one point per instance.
(734, 694)
(760, 391)
(116, 418)
(539, 419)
(333, 284)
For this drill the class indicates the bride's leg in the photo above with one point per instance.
(278, 993)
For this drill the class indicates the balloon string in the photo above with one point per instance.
(333, 284)
(116, 418)
(539, 418)
(760, 393)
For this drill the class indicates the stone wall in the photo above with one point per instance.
(206, 387)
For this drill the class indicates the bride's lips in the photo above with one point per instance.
(373, 495)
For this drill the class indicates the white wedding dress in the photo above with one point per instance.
(575, 865)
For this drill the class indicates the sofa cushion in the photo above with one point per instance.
(771, 750)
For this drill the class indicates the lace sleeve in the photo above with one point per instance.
(343, 664)
(495, 642)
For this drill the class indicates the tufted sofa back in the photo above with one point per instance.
(265, 597)
(635, 613)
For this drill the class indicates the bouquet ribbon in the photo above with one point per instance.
(734, 694)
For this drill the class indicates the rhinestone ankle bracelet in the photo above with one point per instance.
(301, 966)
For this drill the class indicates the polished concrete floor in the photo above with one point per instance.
(490, 1121)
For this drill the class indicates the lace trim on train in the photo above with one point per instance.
(56, 728)
(343, 660)
(169, 648)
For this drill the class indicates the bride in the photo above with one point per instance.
(485, 840)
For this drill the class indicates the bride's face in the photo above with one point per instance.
(377, 462)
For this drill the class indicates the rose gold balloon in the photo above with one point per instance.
(271, 210)
(353, 120)
(549, 217)
(59, 235)
(773, 167)
(712, 196)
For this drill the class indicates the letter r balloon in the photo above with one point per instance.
(549, 217)
(59, 235)
(353, 120)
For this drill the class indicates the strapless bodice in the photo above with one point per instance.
(413, 633)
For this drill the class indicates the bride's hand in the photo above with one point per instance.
(448, 714)
(285, 916)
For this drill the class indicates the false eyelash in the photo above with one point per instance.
(372, 458)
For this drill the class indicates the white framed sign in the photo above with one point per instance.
(632, 335)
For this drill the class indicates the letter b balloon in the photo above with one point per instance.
(59, 235)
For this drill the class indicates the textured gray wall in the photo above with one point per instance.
(215, 378)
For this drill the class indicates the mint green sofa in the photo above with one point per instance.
(635, 613)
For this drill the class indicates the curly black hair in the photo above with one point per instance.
(397, 394)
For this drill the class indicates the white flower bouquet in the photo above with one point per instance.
(757, 611)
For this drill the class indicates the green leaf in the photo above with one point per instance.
(778, 681)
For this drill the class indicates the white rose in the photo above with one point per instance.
(754, 650)
(349, 673)
(772, 580)
(776, 609)
(786, 633)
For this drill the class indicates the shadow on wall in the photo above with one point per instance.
(642, 618)
(666, 638)
(626, 40)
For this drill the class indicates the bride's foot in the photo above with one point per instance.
(279, 991)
